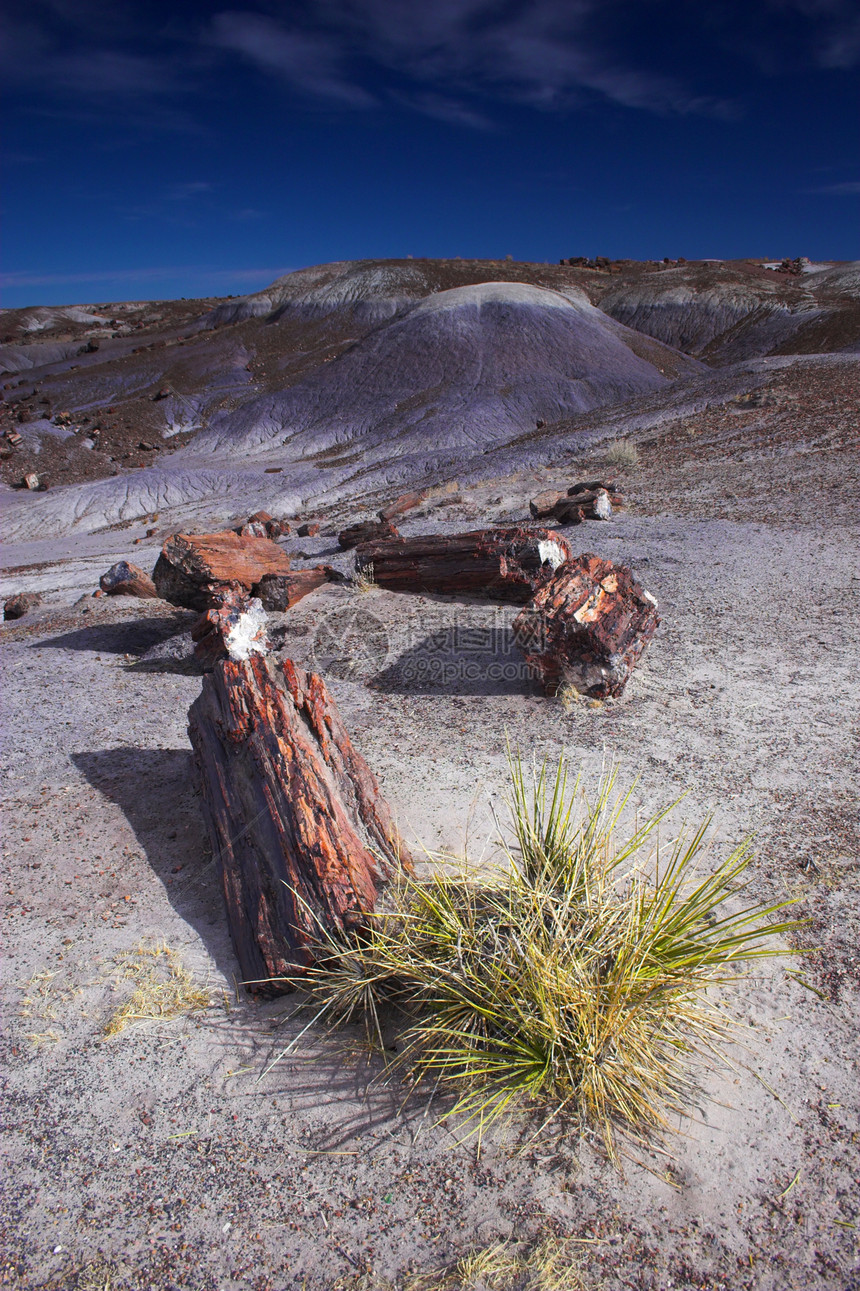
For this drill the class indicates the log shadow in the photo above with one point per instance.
(133, 637)
(157, 792)
(459, 660)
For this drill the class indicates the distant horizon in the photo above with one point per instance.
(100, 301)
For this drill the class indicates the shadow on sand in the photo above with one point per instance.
(156, 790)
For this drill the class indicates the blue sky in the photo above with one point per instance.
(155, 150)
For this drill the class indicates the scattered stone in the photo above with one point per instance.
(14, 438)
(305, 839)
(192, 565)
(507, 564)
(262, 525)
(366, 531)
(587, 627)
(164, 393)
(125, 579)
(235, 628)
(308, 530)
(31, 481)
(401, 505)
(20, 604)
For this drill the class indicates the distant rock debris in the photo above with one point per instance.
(20, 604)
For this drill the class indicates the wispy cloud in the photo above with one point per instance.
(849, 188)
(309, 62)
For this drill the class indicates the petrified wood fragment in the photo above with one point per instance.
(585, 505)
(20, 604)
(587, 627)
(282, 591)
(542, 504)
(505, 564)
(304, 838)
(401, 505)
(365, 531)
(126, 579)
(235, 628)
(190, 562)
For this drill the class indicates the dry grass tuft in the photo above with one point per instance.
(362, 579)
(551, 1265)
(620, 452)
(580, 983)
(164, 987)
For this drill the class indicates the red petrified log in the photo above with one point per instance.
(365, 531)
(504, 564)
(125, 579)
(188, 562)
(235, 628)
(401, 505)
(586, 501)
(587, 627)
(304, 838)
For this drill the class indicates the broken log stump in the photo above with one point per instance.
(304, 837)
(505, 564)
(587, 627)
(189, 563)
(365, 531)
(235, 628)
(126, 579)
(541, 506)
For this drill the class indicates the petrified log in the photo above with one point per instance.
(283, 591)
(20, 604)
(189, 563)
(365, 531)
(401, 505)
(126, 579)
(304, 838)
(585, 505)
(233, 629)
(587, 627)
(309, 529)
(542, 504)
(505, 564)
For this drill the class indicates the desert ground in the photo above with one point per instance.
(183, 1152)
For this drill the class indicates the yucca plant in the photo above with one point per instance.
(579, 980)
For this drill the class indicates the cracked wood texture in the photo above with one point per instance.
(505, 564)
(189, 563)
(587, 627)
(304, 837)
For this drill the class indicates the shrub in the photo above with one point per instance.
(576, 982)
(620, 452)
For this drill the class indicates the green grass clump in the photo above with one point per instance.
(579, 980)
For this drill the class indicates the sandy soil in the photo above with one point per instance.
(166, 1156)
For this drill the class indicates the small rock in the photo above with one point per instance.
(20, 604)
(31, 481)
(308, 530)
(125, 579)
(164, 393)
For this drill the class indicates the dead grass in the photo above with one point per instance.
(163, 987)
(362, 579)
(620, 452)
(550, 1265)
